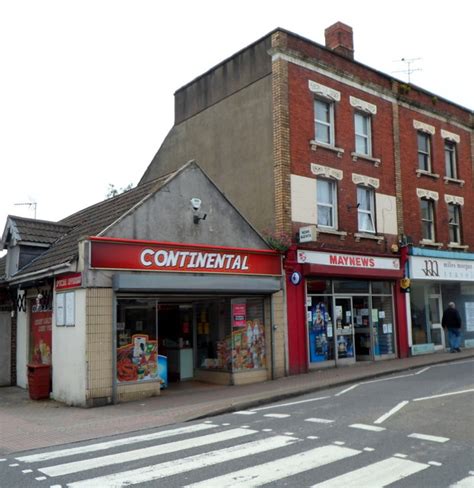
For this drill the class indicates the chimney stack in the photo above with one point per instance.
(339, 38)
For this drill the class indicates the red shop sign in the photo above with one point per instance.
(72, 280)
(109, 253)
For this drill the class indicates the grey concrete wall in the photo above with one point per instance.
(168, 216)
(225, 79)
(232, 141)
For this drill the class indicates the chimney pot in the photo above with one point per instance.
(339, 38)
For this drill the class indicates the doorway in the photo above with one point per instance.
(344, 330)
(435, 312)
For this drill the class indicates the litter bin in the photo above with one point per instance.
(39, 379)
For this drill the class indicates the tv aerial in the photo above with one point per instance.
(409, 69)
(29, 204)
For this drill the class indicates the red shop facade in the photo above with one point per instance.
(343, 308)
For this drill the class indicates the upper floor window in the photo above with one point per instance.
(450, 159)
(363, 134)
(424, 151)
(454, 222)
(427, 219)
(366, 209)
(326, 197)
(324, 121)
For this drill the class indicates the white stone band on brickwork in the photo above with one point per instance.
(326, 171)
(451, 136)
(424, 127)
(363, 105)
(430, 195)
(365, 180)
(324, 91)
(454, 199)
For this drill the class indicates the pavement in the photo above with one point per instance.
(27, 424)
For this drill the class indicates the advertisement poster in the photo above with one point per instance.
(138, 360)
(249, 346)
(320, 332)
(239, 314)
(41, 335)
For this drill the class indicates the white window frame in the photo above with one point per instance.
(329, 124)
(367, 138)
(430, 220)
(425, 154)
(370, 211)
(454, 226)
(450, 152)
(332, 205)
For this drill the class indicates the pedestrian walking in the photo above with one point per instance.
(452, 321)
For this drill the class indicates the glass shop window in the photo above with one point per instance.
(351, 286)
(137, 351)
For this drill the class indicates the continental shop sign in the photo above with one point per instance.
(431, 268)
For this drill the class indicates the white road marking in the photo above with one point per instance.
(123, 457)
(402, 456)
(464, 483)
(454, 363)
(347, 389)
(444, 395)
(369, 449)
(376, 475)
(372, 428)
(244, 426)
(244, 412)
(319, 421)
(277, 415)
(40, 478)
(312, 437)
(226, 424)
(292, 403)
(179, 466)
(288, 433)
(388, 379)
(208, 422)
(433, 438)
(279, 469)
(55, 486)
(267, 430)
(339, 443)
(45, 456)
(394, 410)
(13, 465)
(26, 471)
(423, 370)
(1, 460)
(434, 463)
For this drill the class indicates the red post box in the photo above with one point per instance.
(39, 380)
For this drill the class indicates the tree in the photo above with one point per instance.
(113, 191)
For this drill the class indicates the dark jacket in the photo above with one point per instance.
(451, 319)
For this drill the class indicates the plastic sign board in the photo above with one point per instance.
(347, 260)
(432, 268)
(109, 253)
(68, 281)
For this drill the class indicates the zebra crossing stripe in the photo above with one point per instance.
(123, 457)
(376, 475)
(179, 466)
(102, 446)
(464, 483)
(280, 468)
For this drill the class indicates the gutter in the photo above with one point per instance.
(38, 274)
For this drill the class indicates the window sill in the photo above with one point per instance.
(426, 243)
(340, 233)
(447, 180)
(375, 161)
(456, 246)
(363, 235)
(315, 145)
(422, 172)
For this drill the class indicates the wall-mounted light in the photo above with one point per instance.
(196, 205)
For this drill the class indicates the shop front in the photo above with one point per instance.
(437, 278)
(350, 307)
(183, 312)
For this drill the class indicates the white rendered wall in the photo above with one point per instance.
(69, 356)
(303, 199)
(22, 347)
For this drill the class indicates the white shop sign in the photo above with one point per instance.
(430, 268)
(347, 260)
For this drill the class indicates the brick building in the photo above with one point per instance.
(367, 176)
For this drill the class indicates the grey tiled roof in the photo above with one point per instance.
(37, 231)
(90, 222)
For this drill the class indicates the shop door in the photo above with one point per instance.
(344, 330)
(363, 339)
(5, 348)
(435, 313)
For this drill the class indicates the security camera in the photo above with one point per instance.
(196, 204)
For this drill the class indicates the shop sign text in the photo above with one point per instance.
(155, 256)
(430, 268)
(347, 260)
